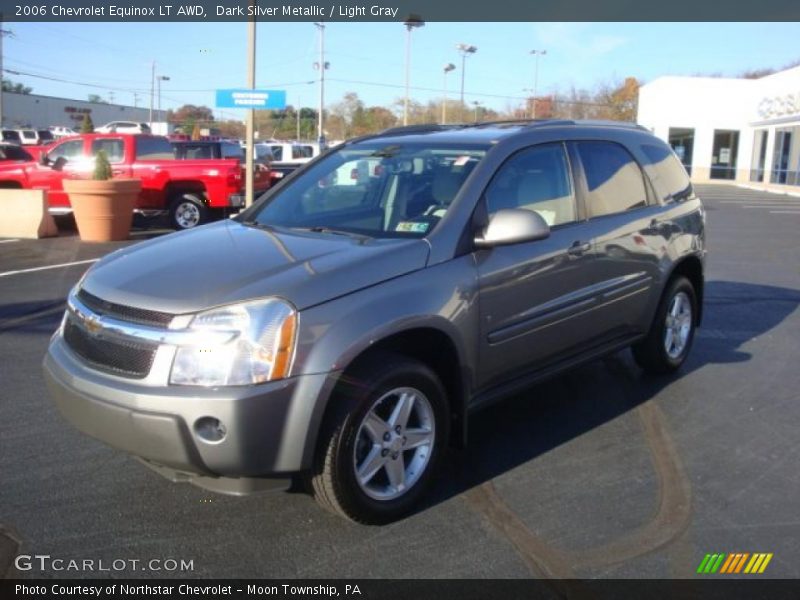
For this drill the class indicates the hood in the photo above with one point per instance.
(229, 262)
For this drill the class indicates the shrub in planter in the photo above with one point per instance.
(103, 207)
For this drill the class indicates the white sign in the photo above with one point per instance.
(778, 106)
(725, 155)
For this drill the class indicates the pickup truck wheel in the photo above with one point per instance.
(671, 335)
(187, 211)
(382, 442)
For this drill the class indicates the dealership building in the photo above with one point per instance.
(40, 112)
(746, 130)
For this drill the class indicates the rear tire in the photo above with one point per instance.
(188, 211)
(365, 468)
(672, 332)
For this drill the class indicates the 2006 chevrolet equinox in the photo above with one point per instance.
(345, 326)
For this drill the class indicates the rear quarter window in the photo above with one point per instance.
(114, 149)
(153, 148)
(666, 172)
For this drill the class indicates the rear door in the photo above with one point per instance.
(628, 244)
(535, 296)
(114, 149)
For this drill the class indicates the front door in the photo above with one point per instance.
(534, 296)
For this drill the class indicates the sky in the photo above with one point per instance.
(369, 58)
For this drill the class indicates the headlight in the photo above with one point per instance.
(261, 351)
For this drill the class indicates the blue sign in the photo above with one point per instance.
(244, 98)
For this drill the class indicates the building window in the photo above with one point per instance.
(682, 142)
(786, 157)
(723, 154)
(759, 155)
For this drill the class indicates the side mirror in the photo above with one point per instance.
(512, 226)
(43, 160)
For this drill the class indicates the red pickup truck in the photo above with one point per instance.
(191, 190)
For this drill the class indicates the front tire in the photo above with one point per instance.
(187, 211)
(382, 441)
(671, 335)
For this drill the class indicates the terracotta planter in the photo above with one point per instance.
(103, 209)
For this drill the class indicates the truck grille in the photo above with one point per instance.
(118, 358)
(124, 313)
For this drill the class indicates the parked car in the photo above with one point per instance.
(289, 156)
(28, 136)
(12, 136)
(346, 332)
(192, 191)
(13, 152)
(60, 131)
(44, 137)
(123, 127)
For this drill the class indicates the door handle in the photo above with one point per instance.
(579, 248)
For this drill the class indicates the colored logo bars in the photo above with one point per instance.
(734, 563)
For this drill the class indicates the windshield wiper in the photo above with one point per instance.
(257, 224)
(331, 230)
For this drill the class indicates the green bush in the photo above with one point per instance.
(87, 126)
(102, 168)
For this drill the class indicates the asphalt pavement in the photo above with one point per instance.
(603, 472)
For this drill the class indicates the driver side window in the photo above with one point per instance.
(68, 150)
(536, 179)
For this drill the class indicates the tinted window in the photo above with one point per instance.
(232, 151)
(302, 152)
(11, 136)
(28, 134)
(153, 148)
(114, 149)
(14, 153)
(45, 135)
(615, 182)
(535, 179)
(666, 172)
(69, 150)
(277, 153)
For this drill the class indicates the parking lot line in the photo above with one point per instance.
(79, 262)
(7, 241)
(785, 212)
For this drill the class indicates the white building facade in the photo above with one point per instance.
(744, 130)
(40, 112)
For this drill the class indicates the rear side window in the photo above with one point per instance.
(14, 153)
(615, 181)
(114, 149)
(302, 152)
(153, 148)
(232, 151)
(666, 172)
(277, 153)
(535, 179)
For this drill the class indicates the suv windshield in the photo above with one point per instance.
(374, 190)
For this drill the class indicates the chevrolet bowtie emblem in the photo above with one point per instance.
(92, 324)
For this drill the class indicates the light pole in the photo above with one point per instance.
(411, 23)
(250, 123)
(464, 49)
(536, 54)
(477, 106)
(447, 68)
(152, 90)
(159, 79)
(322, 66)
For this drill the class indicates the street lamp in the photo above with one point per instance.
(413, 21)
(477, 106)
(447, 68)
(159, 79)
(536, 54)
(464, 49)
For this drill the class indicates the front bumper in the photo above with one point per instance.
(269, 428)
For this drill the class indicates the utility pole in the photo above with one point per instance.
(111, 96)
(135, 100)
(297, 114)
(322, 66)
(152, 91)
(3, 33)
(464, 49)
(251, 113)
(159, 114)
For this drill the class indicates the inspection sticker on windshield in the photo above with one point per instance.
(412, 227)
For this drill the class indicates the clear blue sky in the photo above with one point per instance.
(201, 57)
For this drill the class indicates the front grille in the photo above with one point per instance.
(126, 359)
(124, 313)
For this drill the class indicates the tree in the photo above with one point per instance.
(87, 126)
(15, 88)
(96, 99)
(623, 100)
(188, 115)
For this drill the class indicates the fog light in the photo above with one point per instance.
(210, 429)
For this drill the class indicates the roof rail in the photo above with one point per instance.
(425, 128)
(611, 123)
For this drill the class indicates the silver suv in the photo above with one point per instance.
(344, 327)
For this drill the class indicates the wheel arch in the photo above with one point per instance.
(691, 267)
